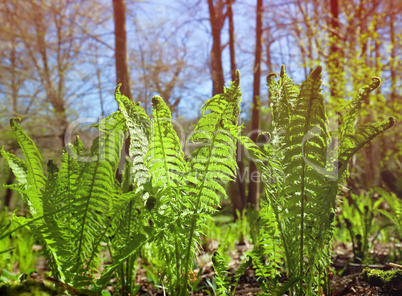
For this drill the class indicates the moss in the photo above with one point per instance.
(33, 288)
(390, 281)
(28, 288)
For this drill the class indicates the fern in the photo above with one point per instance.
(395, 213)
(165, 158)
(239, 272)
(73, 198)
(162, 200)
(226, 285)
(138, 125)
(35, 180)
(167, 169)
(222, 273)
(20, 171)
(216, 134)
(301, 181)
(214, 161)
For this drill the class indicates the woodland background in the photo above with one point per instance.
(61, 60)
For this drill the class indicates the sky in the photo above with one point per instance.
(187, 22)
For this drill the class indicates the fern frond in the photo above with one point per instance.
(20, 171)
(222, 273)
(35, 178)
(138, 125)
(267, 165)
(17, 165)
(304, 160)
(130, 249)
(215, 134)
(165, 158)
(111, 130)
(306, 171)
(347, 127)
(364, 134)
(239, 272)
(93, 195)
(284, 97)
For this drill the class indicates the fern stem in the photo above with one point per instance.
(163, 152)
(184, 285)
(177, 257)
(302, 224)
(69, 193)
(129, 259)
(86, 210)
(122, 279)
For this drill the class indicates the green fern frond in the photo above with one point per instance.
(222, 273)
(165, 158)
(138, 125)
(135, 244)
(347, 127)
(93, 193)
(395, 204)
(266, 163)
(215, 134)
(239, 272)
(284, 97)
(304, 161)
(364, 134)
(111, 130)
(302, 183)
(35, 178)
(17, 165)
(20, 171)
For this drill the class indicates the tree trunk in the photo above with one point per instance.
(237, 191)
(393, 55)
(120, 34)
(122, 69)
(216, 20)
(233, 66)
(333, 58)
(253, 186)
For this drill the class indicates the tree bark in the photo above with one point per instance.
(237, 191)
(253, 186)
(334, 56)
(393, 55)
(120, 34)
(216, 19)
(122, 69)
(233, 66)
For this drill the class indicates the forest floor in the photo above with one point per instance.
(346, 280)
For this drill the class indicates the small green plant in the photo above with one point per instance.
(394, 216)
(395, 209)
(300, 169)
(224, 283)
(267, 254)
(359, 217)
(16, 248)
